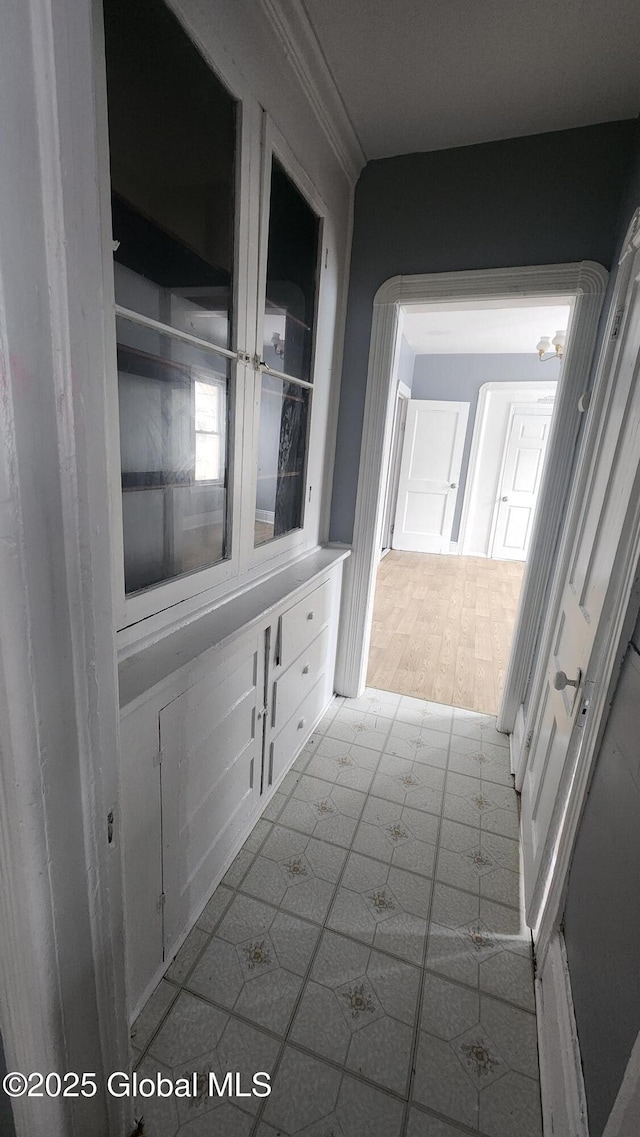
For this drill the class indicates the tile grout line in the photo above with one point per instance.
(413, 1055)
(303, 986)
(236, 890)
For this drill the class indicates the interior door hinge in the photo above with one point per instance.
(160, 902)
(615, 326)
(157, 758)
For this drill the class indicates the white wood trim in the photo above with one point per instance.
(612, 637)
(152, 602)
(624, 1118)
(403, 396)
(300, 43)
(62, 983)
(517, 739)
(335, 387)
(564, 1106)
(275, 145)
(587, 281)
(477, 438)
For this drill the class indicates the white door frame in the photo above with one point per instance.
(585, 280)
(477, 438)
(403, 394)
(62, 973)
(616, 624)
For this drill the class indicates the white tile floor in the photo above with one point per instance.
(366, 947)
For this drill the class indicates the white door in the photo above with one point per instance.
(610, 460)
(525, 452)
(429, 475)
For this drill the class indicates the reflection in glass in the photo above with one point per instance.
(292, 262)
(282, 440)
(173, 401)
(172, 137)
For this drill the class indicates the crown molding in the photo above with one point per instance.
(299, 41)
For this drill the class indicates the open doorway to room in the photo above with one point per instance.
(475, 389)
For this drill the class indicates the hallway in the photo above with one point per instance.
(442, 627)
(366, 947)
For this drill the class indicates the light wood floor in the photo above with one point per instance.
(442, 627)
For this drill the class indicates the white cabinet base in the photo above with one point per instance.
(202, 754)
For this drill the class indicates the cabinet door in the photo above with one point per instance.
(211, 740)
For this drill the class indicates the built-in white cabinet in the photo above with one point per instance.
(206, 744)
(211, 754)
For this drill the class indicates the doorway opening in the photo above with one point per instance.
(579, 287)
(471, 429)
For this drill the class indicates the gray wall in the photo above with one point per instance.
(460, 377)
(538, 200)
(602, 914)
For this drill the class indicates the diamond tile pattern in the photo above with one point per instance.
(366, 948)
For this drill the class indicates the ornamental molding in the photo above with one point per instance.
(299, 41)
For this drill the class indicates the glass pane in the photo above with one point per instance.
(292, 262)
(172, 136)
(173, 428)
(282, 444)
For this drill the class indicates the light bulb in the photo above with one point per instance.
(544, 344)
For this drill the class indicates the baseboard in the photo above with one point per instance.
(564, 1105)
(516, 739)
(265, 515)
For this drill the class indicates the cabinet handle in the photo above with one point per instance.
(305, 669)
(301, 724)
(309, 615)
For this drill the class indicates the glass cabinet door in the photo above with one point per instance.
(173, 400)
(172, 142)
(287, 359)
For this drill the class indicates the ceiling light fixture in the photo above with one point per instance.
(551, 349)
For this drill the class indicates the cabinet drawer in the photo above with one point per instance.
(301, 624)
(296, 682)
(288, 743)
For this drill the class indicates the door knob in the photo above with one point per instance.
(560, 680)
(504, 499)
(453, 486)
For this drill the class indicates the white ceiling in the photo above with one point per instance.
(484, 330)
(429, 74)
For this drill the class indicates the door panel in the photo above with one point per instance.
(525, 452)
(429, 475)
(610, 458)
(211, 741)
